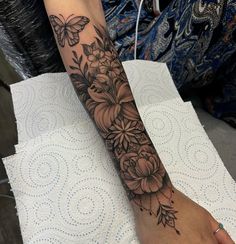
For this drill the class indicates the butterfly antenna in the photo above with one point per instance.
(69, 17)
(62, 17)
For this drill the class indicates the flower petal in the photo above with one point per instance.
(90, 105)
(124, 94)
(132, 184)
(151, 184)
(131, 171)
(155, 162)
(95, 64)
(127, 176)
(102, 97)
(129, 111)
(103, 78)
(154, 183)
(138, 191)
(147, 149)
(144, 167)
(91, 58)
(105, 114)
(144, 185)
(125, 161)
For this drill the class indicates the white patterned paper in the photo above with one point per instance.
(48, 101)
(66, 187)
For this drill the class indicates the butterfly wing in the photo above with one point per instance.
(74, 27)
(59, 28)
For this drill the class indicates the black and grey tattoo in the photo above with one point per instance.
(68, 29)
(102, 86)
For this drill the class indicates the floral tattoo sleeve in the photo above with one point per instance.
(102, 86)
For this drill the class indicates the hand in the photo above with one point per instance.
(195, 224)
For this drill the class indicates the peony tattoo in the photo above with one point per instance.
(102, 86)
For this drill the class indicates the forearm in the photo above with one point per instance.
(102, 86)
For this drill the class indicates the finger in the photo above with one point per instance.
(222, 236)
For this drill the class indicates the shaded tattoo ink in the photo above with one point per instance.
(68, 29)
(102, 86)
(166, 216)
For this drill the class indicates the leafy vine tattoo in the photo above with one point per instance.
(102, 87)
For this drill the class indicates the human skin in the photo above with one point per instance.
(162, 213)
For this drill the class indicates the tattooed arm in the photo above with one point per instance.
(102, 86)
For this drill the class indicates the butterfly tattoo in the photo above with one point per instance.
(68, 29)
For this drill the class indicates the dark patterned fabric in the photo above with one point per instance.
(196, 38)
(26, 38)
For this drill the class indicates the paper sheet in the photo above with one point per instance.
(66, 187)
(47, 102)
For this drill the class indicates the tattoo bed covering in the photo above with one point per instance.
(65, 184)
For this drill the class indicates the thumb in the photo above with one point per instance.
(221, 236)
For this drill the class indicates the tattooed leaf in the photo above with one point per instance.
(89, 77)
(100, 44)
(80, 60)
(73, 68)
(75, 61)
(81, 85)
(77, 77)
(99, 32)
(87, 49)
(75, 54)
(93, 45)
(107, 44)
(86, 68)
